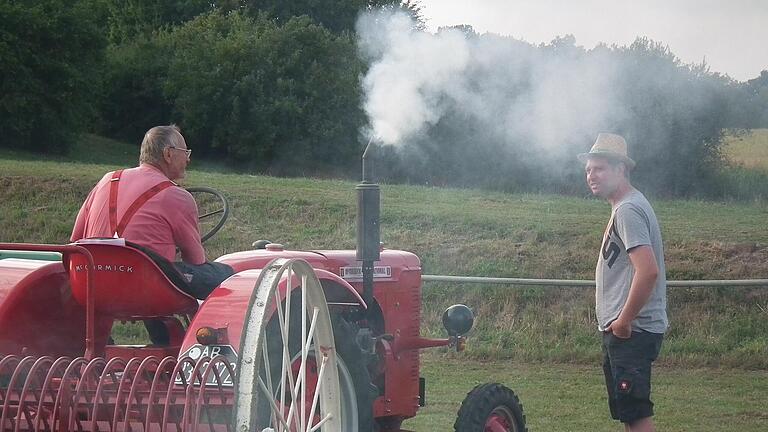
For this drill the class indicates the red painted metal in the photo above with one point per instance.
(147, 388)
(153, 394)
(498, 423)
(130, 285)
(400, 301)
(37, 314)
(90, 350)
(226, 307)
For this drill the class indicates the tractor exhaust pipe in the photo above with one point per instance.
(368, 231)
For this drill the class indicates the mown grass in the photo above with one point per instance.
(566, 398)
(467, 232)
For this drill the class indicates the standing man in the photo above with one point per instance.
(630, 297)
(144, 206)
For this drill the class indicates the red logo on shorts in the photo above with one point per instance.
(624, 386)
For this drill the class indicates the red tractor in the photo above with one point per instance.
(295, 341)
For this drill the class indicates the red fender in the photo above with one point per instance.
(326, 275)
(322, 275)
(225, 309)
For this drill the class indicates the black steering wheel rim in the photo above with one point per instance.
(224, 210)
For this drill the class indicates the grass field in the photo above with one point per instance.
(567, 398)
(466, 232)
(540, 341)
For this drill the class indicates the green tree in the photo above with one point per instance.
(335, 15)
(52, 53)
(676, 116)
(284, 97)
(757, 100)
(131, 19)
(133, 101)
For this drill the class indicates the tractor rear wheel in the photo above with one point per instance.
(490, 408)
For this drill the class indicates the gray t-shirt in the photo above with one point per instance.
(633, 223)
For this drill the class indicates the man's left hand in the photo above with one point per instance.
(620, 328)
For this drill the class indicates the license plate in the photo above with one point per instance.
(197, 352)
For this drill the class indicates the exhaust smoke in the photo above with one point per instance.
(547, 98)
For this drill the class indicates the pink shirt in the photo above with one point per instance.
(167, 220)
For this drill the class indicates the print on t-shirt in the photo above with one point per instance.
(611, 249)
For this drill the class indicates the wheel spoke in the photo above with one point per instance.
(209, 214)
(315, 312)
(267, 366)
(317, 389)
(275, 410)
(284, 355)
(302, 373)
(321, 422)
(304, 350)
(302, 377)
(287, 370)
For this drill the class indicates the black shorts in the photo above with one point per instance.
(627, 368)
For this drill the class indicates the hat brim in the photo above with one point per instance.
(584, 157)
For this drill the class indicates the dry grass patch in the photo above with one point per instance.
(748, 148)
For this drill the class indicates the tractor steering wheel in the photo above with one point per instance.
(210, 202)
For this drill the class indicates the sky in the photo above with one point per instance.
(730, 35)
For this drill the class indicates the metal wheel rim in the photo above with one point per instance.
(316, 331)
(506, 414)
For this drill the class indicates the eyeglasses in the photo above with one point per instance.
(187, 151)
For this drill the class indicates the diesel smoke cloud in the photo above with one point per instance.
(503, 84)
(486, 110)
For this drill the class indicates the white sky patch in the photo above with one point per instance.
(731, 35)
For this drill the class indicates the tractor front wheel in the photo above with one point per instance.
(355, 394)
(300, 368)
(305, 393)
(491, 408)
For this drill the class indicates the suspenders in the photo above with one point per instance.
(119, 228)
(113, 200)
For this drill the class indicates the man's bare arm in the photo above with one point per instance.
(643, 282)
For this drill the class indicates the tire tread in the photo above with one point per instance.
(479, 403)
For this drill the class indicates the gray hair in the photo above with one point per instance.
(156, 140)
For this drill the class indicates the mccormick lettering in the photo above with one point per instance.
(119, 268)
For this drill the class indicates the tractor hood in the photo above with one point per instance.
(340, 262)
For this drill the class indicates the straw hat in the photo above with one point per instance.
(610, 146)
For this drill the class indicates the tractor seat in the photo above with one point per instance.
(130, 282)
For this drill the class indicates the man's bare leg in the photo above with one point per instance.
(642, 425)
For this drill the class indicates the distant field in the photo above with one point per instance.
(93, 149)
(748, 149)
(89, 149)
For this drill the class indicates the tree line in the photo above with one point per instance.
(274, 87)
